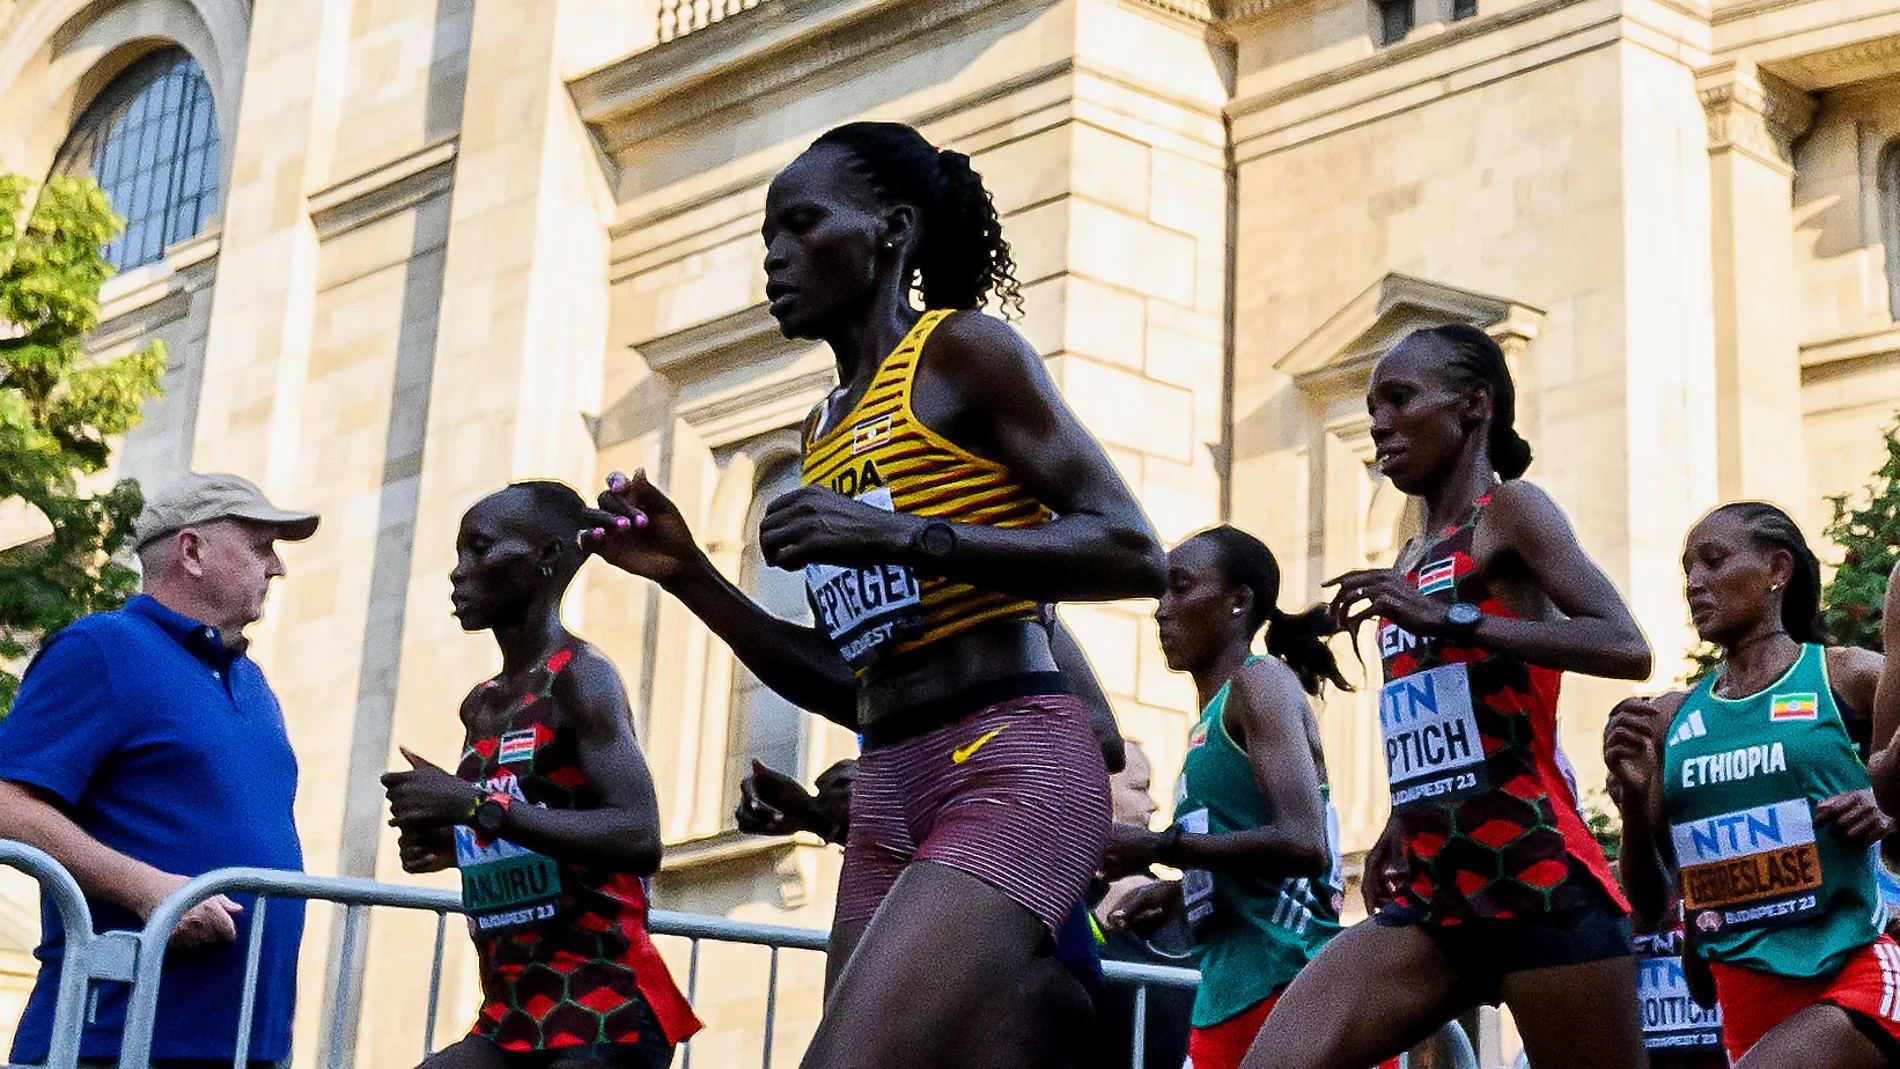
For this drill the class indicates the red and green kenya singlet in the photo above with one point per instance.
(1488, 815)
(575, 978)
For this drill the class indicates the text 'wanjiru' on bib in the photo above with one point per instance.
(1432, 747)
(1751, 867)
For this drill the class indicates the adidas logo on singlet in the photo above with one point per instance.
(1691, 728)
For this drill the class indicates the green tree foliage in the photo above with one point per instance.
(59, 411)
(1869, 539)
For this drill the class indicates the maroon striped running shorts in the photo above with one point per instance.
(1015, 794)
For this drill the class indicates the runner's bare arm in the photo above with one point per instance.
(796, 661)
(1632, 750)
(1271, 711)
(622, 832)
(1592, 632)
(1005, 408)
(1854, 674)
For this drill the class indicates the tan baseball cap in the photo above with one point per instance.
(192, 499)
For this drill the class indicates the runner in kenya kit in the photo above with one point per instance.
(948, 493)
(1486, 886)
(1747, 796)
(550, 815)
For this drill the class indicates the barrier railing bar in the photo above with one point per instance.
(435, 984)
(1138, 1057)
(692, 993)
(247, 1006)
(346, 971)
(76, 918)
(771, 1009)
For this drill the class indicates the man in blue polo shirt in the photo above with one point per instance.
(144, 749)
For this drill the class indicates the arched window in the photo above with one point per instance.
(151, 142)
(1890, 222)
(764, 725)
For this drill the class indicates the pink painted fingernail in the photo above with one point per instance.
(615, 480)
(600, 532)
(640, 519)
(622, 522)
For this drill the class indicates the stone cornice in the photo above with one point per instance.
(1841, 66)
(770, 48)
(377, 194)
(1753, 111)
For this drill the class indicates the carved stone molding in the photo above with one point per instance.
(1753, 111)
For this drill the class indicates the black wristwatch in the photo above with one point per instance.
(490, 814)
(934, 542)
(1462, 619)
(1169, 843)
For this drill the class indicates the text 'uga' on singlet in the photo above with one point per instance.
(1490, 821)
(1761, 885)
(1252, 934)
(879, 453)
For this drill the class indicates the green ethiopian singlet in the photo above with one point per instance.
(1251, 934)
(1761, 886)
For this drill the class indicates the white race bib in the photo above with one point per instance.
(1671, 1019)
(1432, 747)
(1750, 868)
(1197, 885)
(864, 610)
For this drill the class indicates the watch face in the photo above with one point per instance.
(938, 540)
(489, 816)
(1464, 614)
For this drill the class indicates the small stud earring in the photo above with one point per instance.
(890, 244)
(1236, 612)
(547, 571)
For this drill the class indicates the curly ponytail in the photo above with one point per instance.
(1299, 641)
(961, 259)
(1479, 361)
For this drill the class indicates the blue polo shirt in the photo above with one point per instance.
(168, 748)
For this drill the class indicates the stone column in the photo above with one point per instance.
(1754, 119)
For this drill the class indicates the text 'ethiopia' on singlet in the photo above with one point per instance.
(1489, 820)
(1252, 935)
(880, 454)
(1761, 885)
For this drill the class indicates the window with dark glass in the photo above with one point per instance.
(151, 142)
(764, 725)
(1463, 9)
(1395, 20)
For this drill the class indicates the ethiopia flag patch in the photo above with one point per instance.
(1437, 576)
(1793, 707)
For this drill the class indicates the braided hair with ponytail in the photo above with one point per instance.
(1478, 361)
(1770, 528)
(961, 260)
(1299, 640)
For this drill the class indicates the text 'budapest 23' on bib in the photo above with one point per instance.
(864, 611)
(1432, 747)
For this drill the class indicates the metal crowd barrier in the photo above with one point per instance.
(138, 958)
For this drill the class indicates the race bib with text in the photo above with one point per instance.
(1432, 748)
(1750, 868)
(1197, 885)
(865, 610)
(1671, 1018)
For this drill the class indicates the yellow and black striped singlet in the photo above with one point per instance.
(880, 446)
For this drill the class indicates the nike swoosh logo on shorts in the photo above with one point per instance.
(964, 753)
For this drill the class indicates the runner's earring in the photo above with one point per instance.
(547, 571)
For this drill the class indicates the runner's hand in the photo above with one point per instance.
(1147, 909)
(1854, 817)
(1384, 870)
(427, 796)
(1130, 850)
(1632, 750)
(426, 849)
(818, 525)
(638, 529)
(835, 786)
(1387, 595)
(772, 803)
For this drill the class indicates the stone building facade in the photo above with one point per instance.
(451, 244)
